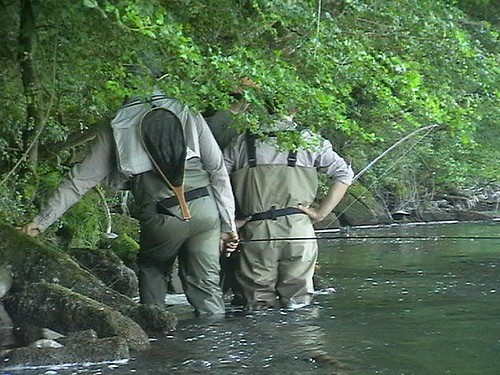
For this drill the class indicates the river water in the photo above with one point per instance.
(423, 305)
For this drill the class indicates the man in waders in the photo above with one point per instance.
(220, 123)
(274, 190)
(119, 155)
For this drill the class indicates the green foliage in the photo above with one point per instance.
(364, 74)
(84, 224)
(126, 248)
(480, 9)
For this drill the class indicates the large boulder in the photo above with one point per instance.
(56, 307)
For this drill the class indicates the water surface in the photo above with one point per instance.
(402, 306)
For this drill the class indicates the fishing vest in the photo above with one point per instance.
(259, 187)
(132, 157)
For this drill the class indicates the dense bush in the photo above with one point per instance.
(364, 74)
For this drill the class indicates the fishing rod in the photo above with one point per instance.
(347, 234)
(428, 129)
(382, 237)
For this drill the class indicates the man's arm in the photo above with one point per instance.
(31, 229)
(340, 174)
(97, 164)
(335, 194)
(213, 161)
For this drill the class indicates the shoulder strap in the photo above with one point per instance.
(251, 154)
(292, 158)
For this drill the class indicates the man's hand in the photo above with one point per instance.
(315, 214)
(31, 229)
(230, 242)
(329, 202)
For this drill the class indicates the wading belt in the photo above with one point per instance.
(163, 205)
(273, 213)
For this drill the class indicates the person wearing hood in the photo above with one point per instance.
(274, 190)
(118, 155)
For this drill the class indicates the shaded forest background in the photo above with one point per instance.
(364, 73)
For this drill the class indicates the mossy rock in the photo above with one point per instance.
(63, 310)
(153, 319)
(126, 248)
(108, 267)
(31, 261)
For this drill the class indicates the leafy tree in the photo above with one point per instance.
(363, 73)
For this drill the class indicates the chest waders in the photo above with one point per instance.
(276, 273)
(194, 243)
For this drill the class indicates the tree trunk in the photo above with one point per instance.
(31, 84)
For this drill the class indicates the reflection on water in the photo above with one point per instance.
(402, 306)
(418, 307)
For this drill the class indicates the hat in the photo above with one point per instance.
(282, 124)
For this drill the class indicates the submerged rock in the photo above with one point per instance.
(43, 304)
(153, 319)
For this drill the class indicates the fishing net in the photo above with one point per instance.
(164, 140)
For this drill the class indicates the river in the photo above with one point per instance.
(423, 305)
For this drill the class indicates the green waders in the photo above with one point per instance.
(276, 273)
(195, 243)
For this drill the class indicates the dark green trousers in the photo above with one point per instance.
(196, 245)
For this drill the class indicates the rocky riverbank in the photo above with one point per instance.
(44, 289)
(360, 207)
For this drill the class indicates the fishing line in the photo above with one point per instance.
(383, 237)
(371, 164)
